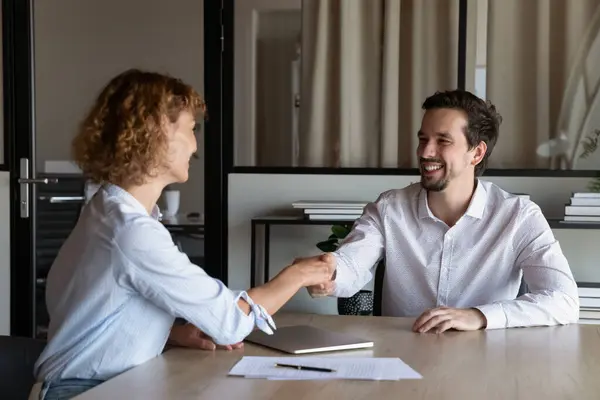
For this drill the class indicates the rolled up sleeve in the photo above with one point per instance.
(360, 252)
(159, 272)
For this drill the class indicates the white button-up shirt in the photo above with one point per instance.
(479, 262)
(116, 287)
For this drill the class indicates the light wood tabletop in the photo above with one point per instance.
(560, 362)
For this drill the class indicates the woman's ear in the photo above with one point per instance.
(167, 126)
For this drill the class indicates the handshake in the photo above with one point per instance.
(317, 273)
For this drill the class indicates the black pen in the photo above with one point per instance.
(305, 368)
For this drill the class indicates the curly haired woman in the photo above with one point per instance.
(119, 281)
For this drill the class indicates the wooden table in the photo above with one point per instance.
(522, 363)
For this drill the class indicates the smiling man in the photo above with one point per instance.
(457, 248)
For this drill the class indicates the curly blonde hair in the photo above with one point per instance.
(122, 139)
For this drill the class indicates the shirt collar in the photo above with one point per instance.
(475, 209)
(114, 190)
(478, 201)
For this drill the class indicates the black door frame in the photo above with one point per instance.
(218, 146)
(18, 128)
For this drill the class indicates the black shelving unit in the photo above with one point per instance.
(560, 224)
(268, 221)
(58, 207)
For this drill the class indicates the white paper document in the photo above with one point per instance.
(363, 368)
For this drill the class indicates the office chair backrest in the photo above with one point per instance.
(17, 358)
(378, 288)
(523, 289)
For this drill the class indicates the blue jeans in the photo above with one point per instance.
(67, 388)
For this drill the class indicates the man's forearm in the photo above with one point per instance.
(348, 279)
(532, 309)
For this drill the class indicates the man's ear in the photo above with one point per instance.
(479, 153)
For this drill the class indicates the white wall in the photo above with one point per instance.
(80, 45)
(4, 253)
(253, 195)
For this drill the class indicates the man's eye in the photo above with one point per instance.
(197, 128)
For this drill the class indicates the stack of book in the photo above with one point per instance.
(589, 302)
(330, 210)
(583, 207)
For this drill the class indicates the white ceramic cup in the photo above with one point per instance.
(172, 198)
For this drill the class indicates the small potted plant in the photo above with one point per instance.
(360, 303)
(590, 145)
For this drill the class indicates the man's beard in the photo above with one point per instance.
(434, 186)
(431, 185)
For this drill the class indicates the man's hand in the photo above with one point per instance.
(315, 270)
(322, 290)
(441, 319)
(189, 336)
(326, 288)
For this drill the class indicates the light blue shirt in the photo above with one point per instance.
(116, 287)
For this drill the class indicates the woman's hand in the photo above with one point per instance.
(189, 336)
(315, 270)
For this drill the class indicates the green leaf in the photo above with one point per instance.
(340, 231)
(328, 245)
(590, 144)
(594, 186)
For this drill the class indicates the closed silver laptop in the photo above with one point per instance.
(303, 339)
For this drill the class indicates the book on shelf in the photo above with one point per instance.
(330, 205)
(585, 201)
(590, 313)
(335, 210)
(584, 321)
(582, 210)
(582, 218)
(329, 211)
(586, 195)
(589, 302)
(583, 207)
(332, 217)
(588, 289)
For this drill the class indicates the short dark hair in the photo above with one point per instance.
(483, 121)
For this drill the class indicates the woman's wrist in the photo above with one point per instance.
(292, 276)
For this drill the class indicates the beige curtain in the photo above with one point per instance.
(367, 66)
(532, 48)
